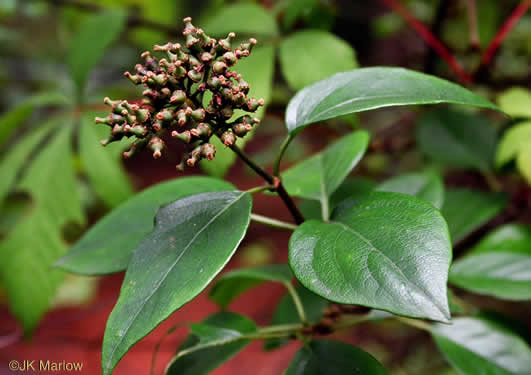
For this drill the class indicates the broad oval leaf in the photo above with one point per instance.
(466, 210)
(427, 186)
(203, 360)
(108, 245)
(479, 346)
(319, 176)
(388, 251)
(457, 138)
(516, 102)
(193, 240)
(234, 283)
(312, 50)
(499, 266)
(371, 88)
(89, 44)
(325, 357)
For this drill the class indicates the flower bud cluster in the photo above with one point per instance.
(174, 99)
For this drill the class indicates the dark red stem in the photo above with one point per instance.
(509, 24)
(430, 39)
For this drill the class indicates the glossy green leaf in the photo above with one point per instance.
(19, 155)
(319, 176)
(388, 251)
(478, 346)
(312, 49)
(10, 120)
(351, 190)
(203, 361)
(89, 44)
(236, 282)
(286, 312)
(467, 210)
(257, 69)
(371, 88)
(103, 165)
(499, 266)
(427, 186)
(192, 241)
(326, 357)
(514, 141)
(249, 18)
(516, 102)
(107, 247)
(457, 138)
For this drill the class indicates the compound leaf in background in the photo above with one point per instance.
(51, 181)
(324, 357)
(286, 312)
(106, 247)
(305, 57)
(19, 155)
(329, 168)
(479, 346)
(371, 88)
(192, 241)
(203, 361)
(103, 165)
(257, 69)
(249, 19)
(466, 210)
(234, 283)
(516, 102)
(88, 45)
(29, 251)
(457, 138)
(25, 271)
(388, 251)
(499, 266)
(514, 140)
(17, 115)
(427, 186)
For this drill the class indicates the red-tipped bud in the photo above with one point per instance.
(206, 57)
(228, 138)
(178, 97)
(156, 145)
(219, 67)
(202, 130)
(214, 83)
(208, 151)
(138, 130)
(185, 136)
(227, 111)
(253, 104)
(205, 40)
(225, 44)
(194, 75)
(182, 117)
(229, 58)
(198, 115)
(165, 115)
(249, 46)
(136, 79)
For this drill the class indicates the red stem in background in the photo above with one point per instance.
(511, 21)
(430, 39)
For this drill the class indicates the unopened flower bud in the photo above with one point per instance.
(230, 58)
(219, 67)
(138, 130)
(227, 111)
(205, 40)
(178, 97)
(165, 115)
(214, 83)
(249, 46)
(253, 104)
(202, 130)
(194, 75)
(240, 129)
(136, 79)
(198, 114)
(225, 44)
(228, 138)
(156, 145)
(208, 151)
(206, 57)
(185, 136)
